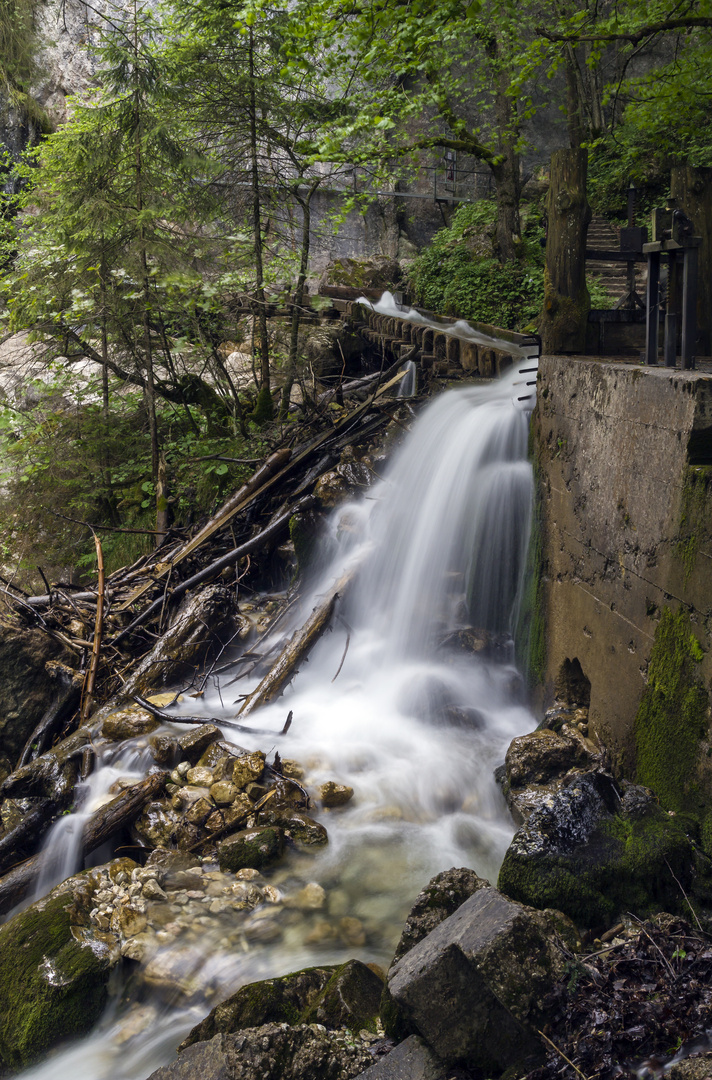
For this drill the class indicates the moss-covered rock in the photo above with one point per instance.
(673, 716)
(302, 829)
(593, 855)
(53, 978)
(251, 849)
(350, 999)
(335, 996)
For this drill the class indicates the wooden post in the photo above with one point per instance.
(692, 187)
(653, 308)
(566, 299)
(690, 292)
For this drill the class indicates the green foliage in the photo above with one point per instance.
(672, 717)
(453, 276)
(60, 461)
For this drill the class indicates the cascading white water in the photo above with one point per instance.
(415, 728)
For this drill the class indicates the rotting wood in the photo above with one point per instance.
(262, 538)
(295, 651)
(62, 708)
(90, 682)
(26, 836)
(105, 823)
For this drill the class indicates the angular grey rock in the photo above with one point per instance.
(270, 1052)
(441, 897)
(473, 987)
(410, 1060)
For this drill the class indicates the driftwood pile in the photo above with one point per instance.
(117, 628)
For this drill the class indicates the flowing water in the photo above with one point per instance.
(387, 705)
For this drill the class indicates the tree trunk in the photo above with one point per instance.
(507, 173)
(692, 187)
(298, 301)
(566, 299)
(261, 312)
(149, 387)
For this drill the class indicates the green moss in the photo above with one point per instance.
(627, 864)
(672, 717)
(51, 987)
(693, 517)
(251, 849)
(264, 407)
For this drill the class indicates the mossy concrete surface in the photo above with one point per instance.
(53, 983)
(622, 454)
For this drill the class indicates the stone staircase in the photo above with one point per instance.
(613, 275)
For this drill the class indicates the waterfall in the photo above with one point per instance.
(386, 705)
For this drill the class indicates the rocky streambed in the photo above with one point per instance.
(590, 958)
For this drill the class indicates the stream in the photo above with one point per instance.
(387, 704)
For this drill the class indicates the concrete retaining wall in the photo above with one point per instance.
(624, 456)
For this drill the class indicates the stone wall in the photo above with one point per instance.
(624, 461)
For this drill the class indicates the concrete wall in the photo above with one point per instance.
(624, 456)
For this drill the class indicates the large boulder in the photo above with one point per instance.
(594, 850)
(474, 987)
(54, 973)
(440, 898)
(374, 272)
(536, 765)
(347, 995)
(270, 1052)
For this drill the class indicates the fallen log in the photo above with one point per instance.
(219, 565)
(273, 465)
(367, 381)
(295, 651)
(52, 775)
(62, 708)
(26, 836)
(101, 826)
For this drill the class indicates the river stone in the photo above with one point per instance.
(247, 768)
(332, 794)
(346, 995)
(251, 848)
(474, 987)
(223, 793)
(53, 977)
(270, 1052)
(195, 744)
(156, 826)
(164, 749)
(537, 757)
(128, 723)
(594, 855)
(200, 776)
(410, 1060)
(302, 828)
